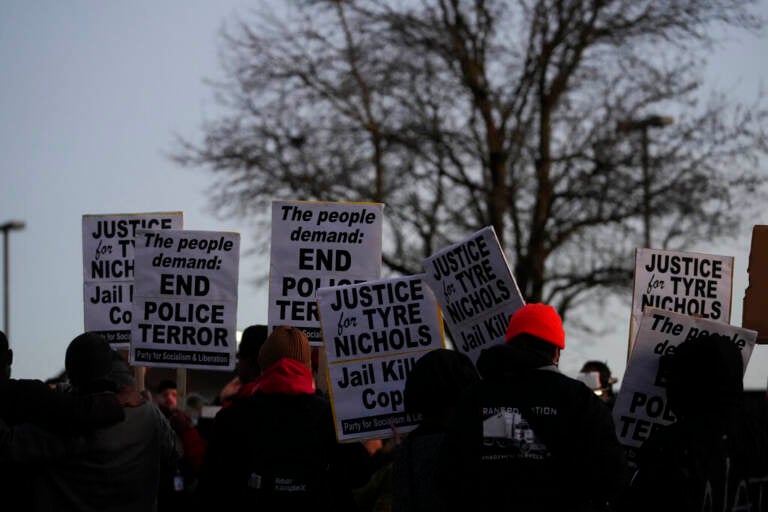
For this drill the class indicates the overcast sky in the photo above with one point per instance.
(92, 95)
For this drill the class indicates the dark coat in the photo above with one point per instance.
(715, 456)
(548, 442)
(278, 451)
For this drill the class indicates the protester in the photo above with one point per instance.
(605, 381)
(547, 442)
(248, 368)
(178, 487)
(277, 449)
(425, 465)
(33, 401)
(112, 468)
(167, 396)
(715, 455)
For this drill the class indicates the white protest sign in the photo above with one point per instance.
(185, 301)
(374, 332)
(314, 245)
(476, 289)
(641, 405)
(692, 284)
(108, 269)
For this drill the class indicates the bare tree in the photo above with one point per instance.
(462, 114)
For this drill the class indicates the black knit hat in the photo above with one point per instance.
(88, 359)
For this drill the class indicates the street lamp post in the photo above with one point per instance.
(642, 125)
(6, 228)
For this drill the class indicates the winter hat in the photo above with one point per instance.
(288, 342)
(437, 381)
(88, 359)
(539, 320)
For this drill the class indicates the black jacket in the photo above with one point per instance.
(715, 463)
(278, 451)
(548, 442)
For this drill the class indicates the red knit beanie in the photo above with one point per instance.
(540, 320)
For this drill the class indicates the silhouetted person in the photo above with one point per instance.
(425, 463)
(547, 442)
(248, 369)
(28, 401)
(107, 469)
(277, 449)
(178, 486)
(715, 456)
(604, 389)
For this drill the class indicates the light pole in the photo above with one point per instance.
(7, 227)
(642, 125)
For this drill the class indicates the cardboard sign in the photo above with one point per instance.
(108, 270)
(641, 405)
(692, 284)
(314, 245)
(756, 295)
(185, 304)
(374, 332)
(476, 289)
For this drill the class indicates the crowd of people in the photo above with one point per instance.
(510, 431)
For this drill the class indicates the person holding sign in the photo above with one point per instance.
(113, 468)
(276, 449)
(715, 456)
(548, 442)
(425, 463)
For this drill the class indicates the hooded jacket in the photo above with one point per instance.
(276, 449)
(715, 456)
(548, 443)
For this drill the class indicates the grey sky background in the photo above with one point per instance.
(92, 95)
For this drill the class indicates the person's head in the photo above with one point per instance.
(606, 381)
(538, 328)
(167, 395)
(6, 357)
(88, 362)
(436, 382)
(120, 373)
(251, 342)
(704, 376)
(285, 341)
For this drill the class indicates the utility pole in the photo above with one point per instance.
(642, 125)
(6, 228)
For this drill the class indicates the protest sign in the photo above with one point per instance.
(314, 245)
(108, 269)
(693, 284)
(476, 289)
(756, 295)
(641, 405)
(374, 332)
(185, 300)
